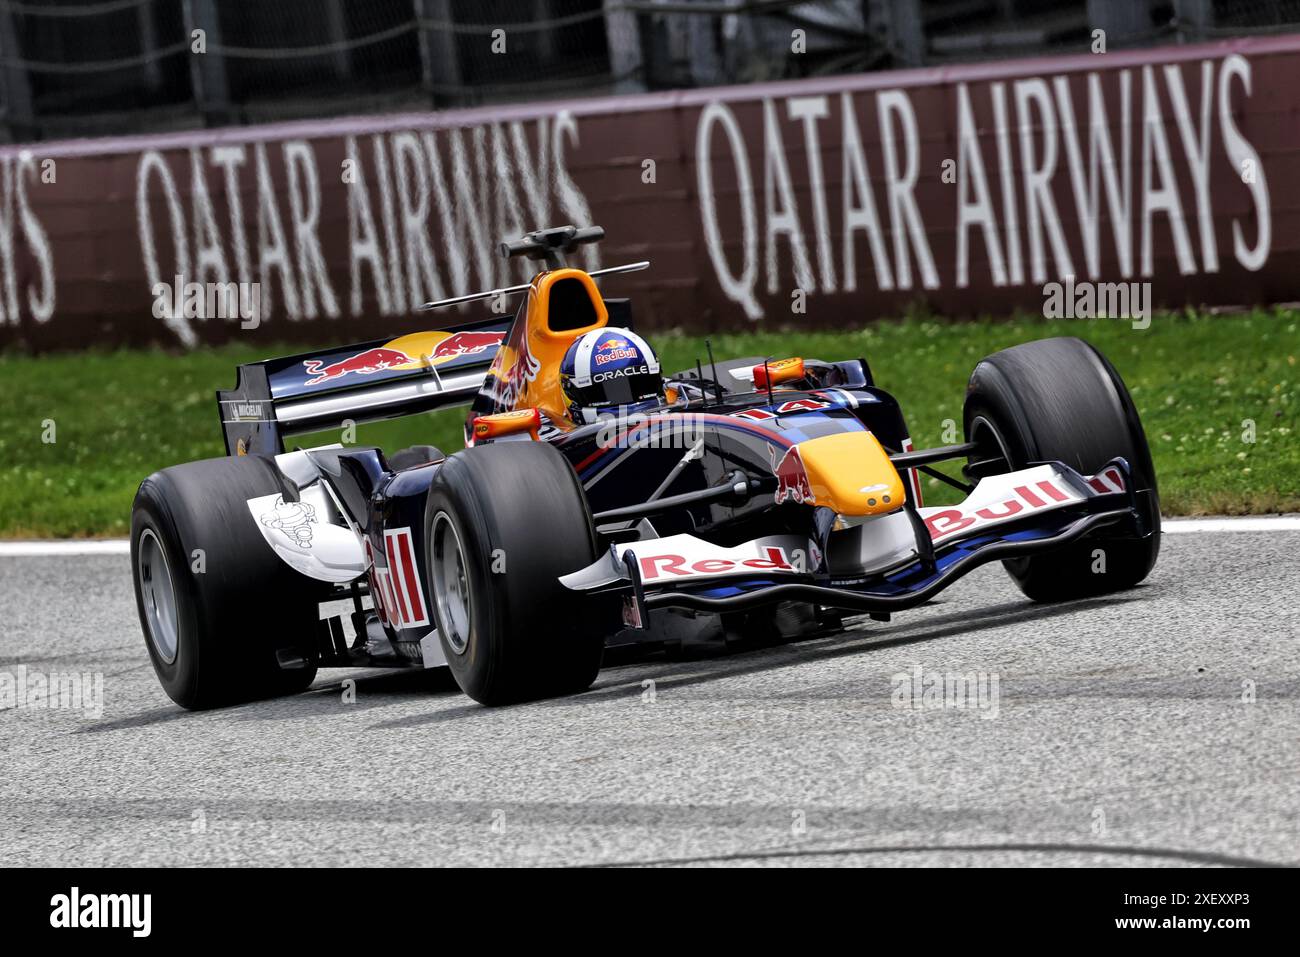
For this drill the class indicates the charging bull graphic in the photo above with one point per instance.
(363, 363)
(465, 344)
(513, 367)
(792, 483)
(408, 352)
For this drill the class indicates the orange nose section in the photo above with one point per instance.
(849, 472)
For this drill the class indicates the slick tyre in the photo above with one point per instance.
(224, 619)
(1061, 399)
(503, 522)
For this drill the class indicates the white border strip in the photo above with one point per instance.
(1171, 526)
(111, 546)
(1262, 523)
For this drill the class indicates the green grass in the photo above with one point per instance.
(1197, 380)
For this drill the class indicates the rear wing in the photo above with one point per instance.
(380, 379)
(389, 378)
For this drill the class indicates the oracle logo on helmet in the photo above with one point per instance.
(620, 373)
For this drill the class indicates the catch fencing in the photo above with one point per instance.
(822, 203)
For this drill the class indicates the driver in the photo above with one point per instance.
(610, 372)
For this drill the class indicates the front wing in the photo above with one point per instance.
(903, 560)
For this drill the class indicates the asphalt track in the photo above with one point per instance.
(1160, 727)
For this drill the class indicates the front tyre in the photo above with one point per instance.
(1062, 400)
(503, 522)
(224, 619)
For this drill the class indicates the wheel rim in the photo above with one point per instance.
(158, 596)
(991, 456)
(451, 593)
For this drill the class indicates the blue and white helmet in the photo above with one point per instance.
(610, 371)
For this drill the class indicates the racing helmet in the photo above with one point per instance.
(609, 371)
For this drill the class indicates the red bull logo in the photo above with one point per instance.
(792, 483)
(409, 352)
(363, 363)
(612, 350)
(1021, 500)
(655, 567)
(466, 344)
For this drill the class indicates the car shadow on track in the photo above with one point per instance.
(624, 677)
(741, 662)
(322, 699)
(331, 694)
(143, 720)
(857, 641)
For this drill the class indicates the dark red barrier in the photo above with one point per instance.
(825, 202)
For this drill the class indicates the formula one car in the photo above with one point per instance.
(600, 502)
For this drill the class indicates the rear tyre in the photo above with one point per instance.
(503, 521)
(224, 619)
(1061, 399)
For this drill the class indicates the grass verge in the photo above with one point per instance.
(1217, 395)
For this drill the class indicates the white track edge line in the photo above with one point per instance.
(112, 546)
(1173, 526)
(1263, 523)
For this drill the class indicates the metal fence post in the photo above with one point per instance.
(337, 24)
(623, 35)
(439, 57)
(900, 25)
(1125, 22)
(19, 116)
(1194, 17)
(207, 70)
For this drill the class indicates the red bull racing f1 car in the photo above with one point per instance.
(600, 501)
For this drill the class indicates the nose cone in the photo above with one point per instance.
(851, 473)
